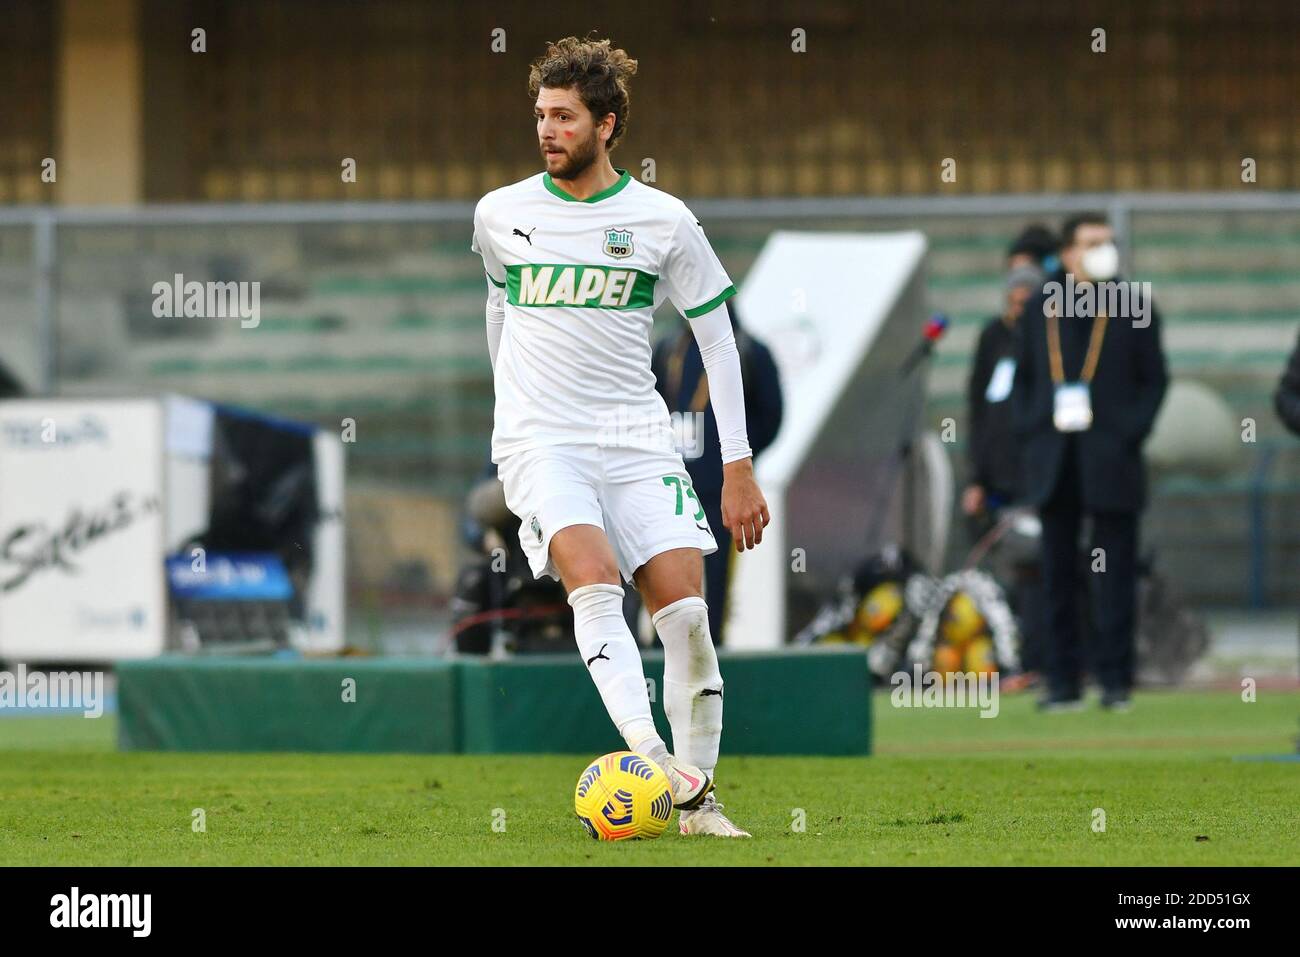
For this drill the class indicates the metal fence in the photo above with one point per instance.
(41, 247)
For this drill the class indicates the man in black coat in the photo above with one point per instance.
(680, 379)
(10, 387)
(1090, 377)
(994, 453)
(995, 472)
(1287, 397)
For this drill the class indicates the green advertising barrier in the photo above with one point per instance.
(807, 701)
(796, 702)
(177, 703)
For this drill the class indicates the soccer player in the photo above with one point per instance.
(577, 258)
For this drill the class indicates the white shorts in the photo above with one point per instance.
(642, 499)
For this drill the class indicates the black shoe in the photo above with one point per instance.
(1116, 699)
(1059, 704)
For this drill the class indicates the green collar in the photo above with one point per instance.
(623, 179)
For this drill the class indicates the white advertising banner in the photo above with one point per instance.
(838, 347)
(81, 530)
(327, 592)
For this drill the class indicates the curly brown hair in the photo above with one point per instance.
(597, 69)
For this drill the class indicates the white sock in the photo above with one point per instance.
(692, 682)
(614, 663)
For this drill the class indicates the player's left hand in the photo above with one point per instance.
(744, 510)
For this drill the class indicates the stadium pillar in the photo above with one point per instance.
(99, 154)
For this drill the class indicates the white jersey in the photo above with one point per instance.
(581, 281)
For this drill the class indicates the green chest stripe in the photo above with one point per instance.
(589, 287)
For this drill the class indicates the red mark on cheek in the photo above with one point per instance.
(568, 132)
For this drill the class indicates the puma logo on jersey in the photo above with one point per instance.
(600, 287)
(599, 654)
(526, 235)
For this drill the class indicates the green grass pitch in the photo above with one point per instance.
(945, 787)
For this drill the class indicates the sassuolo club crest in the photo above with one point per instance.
(618, 242)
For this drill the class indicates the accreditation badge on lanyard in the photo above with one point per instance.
(1000, 382)
(1072, 407)
(1073, 410)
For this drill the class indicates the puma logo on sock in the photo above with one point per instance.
(601, 654)
(709, 691)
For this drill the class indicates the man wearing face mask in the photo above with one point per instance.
(1087, 388)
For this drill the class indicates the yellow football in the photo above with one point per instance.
(622, 796)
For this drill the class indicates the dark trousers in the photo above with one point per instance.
(717, 567)
(1027, 597)
(1024, 586)
(1113, 592)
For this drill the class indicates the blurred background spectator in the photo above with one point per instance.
(680, 379)
(1116, 365)
(1287, 398)
(995, 479)
(10, 387)
(994, 453)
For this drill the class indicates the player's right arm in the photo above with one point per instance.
(496, 282)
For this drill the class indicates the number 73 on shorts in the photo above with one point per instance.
(675, 482)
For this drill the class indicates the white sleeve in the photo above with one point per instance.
(696, 281)
(721, 359)
(481, 243)
(496, 318)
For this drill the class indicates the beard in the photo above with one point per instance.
(579, 158)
